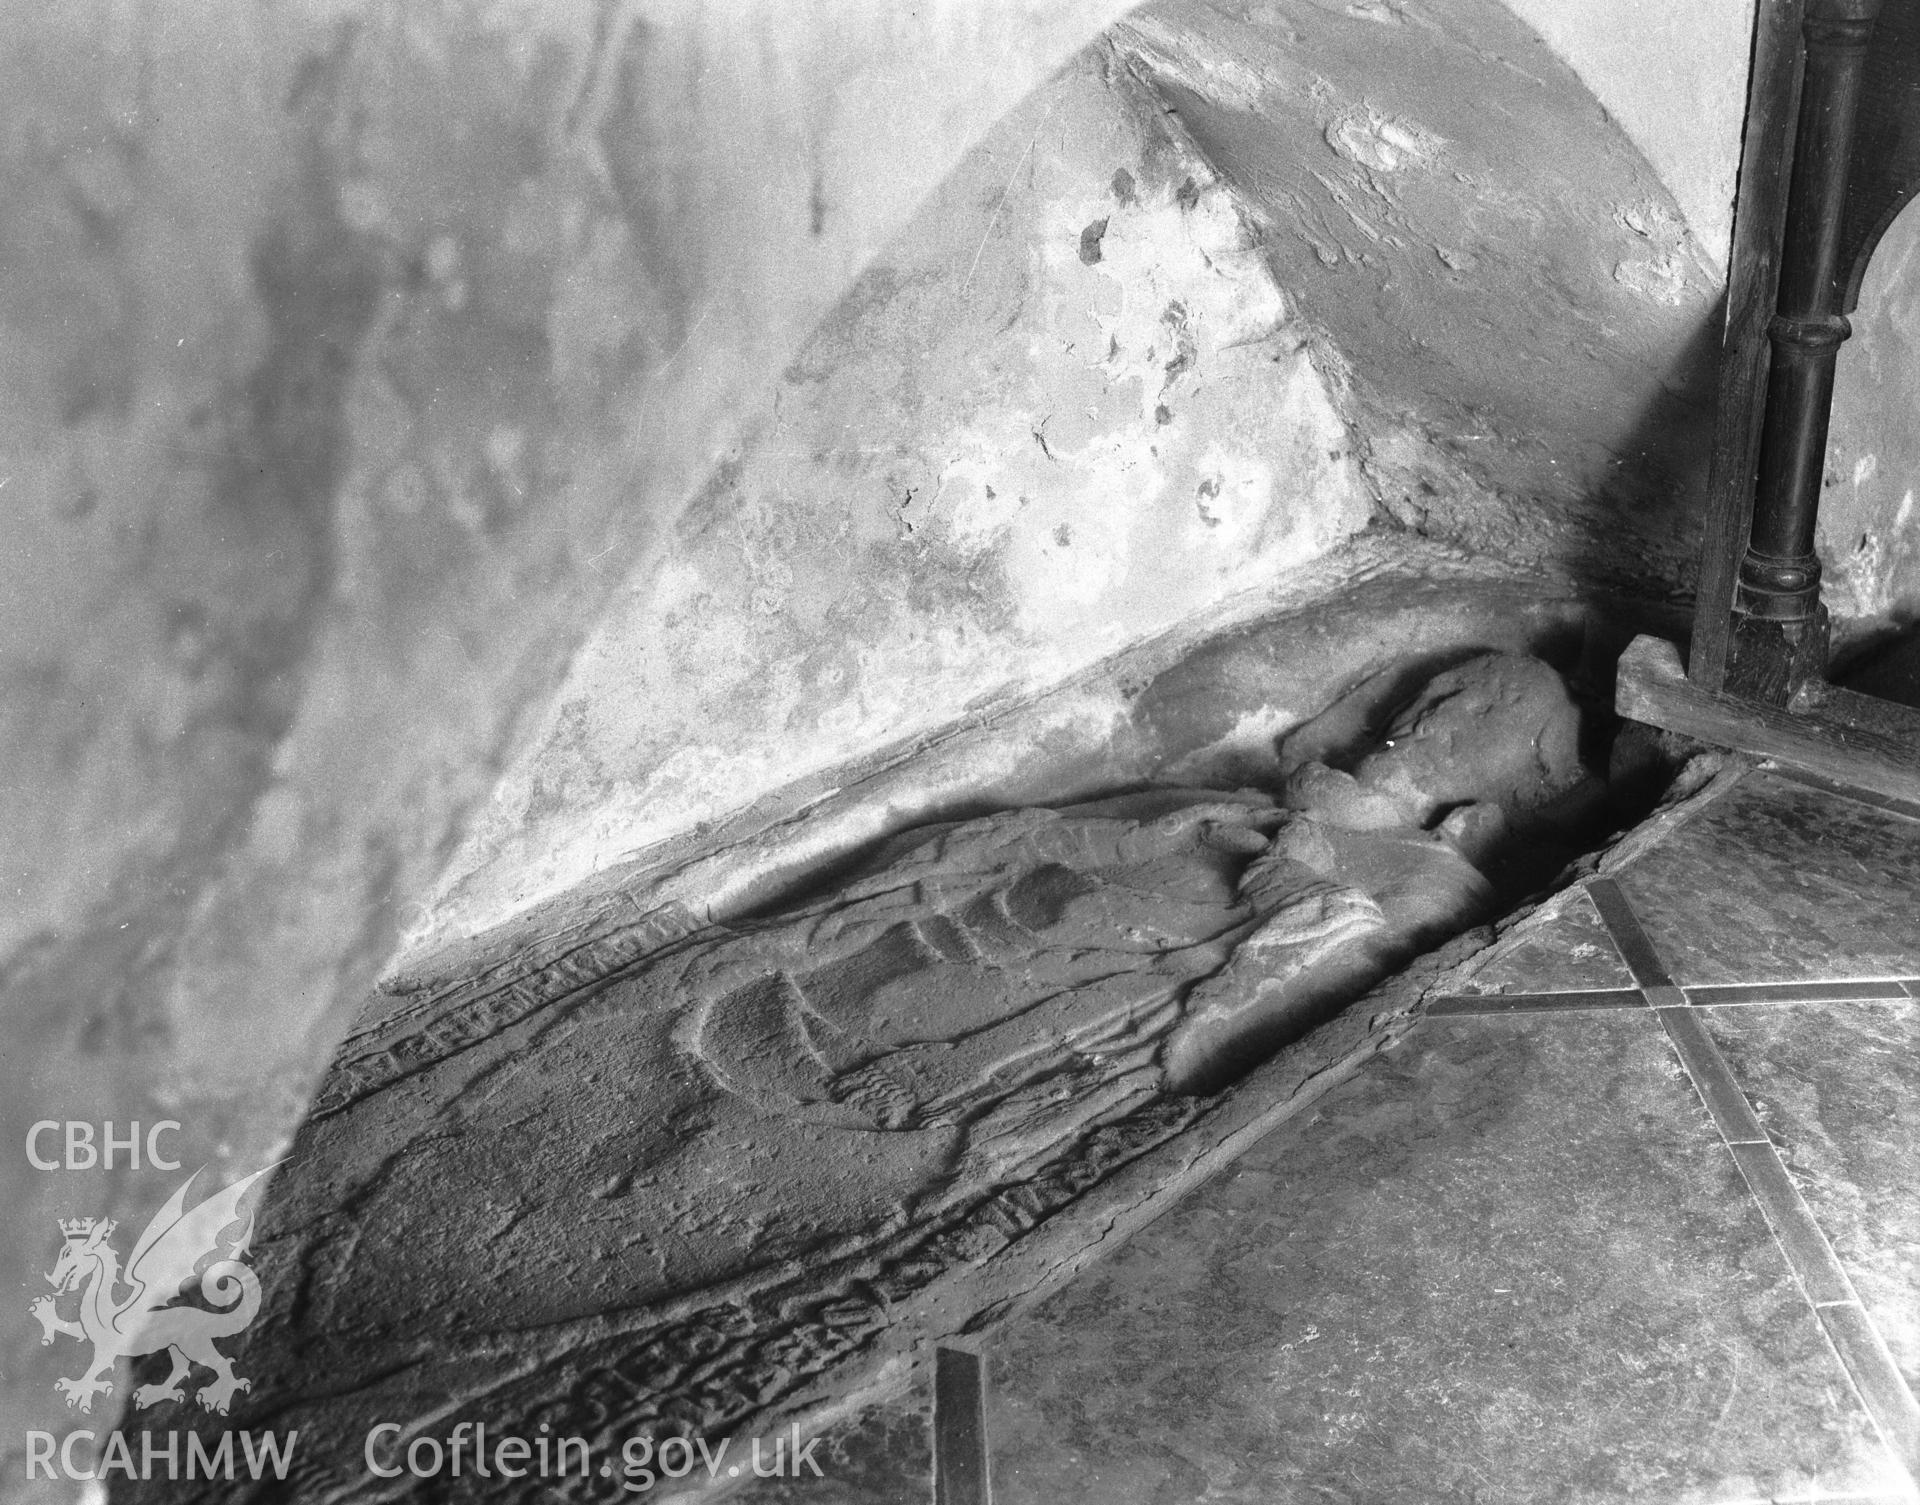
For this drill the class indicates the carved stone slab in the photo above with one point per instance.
(746, 1182)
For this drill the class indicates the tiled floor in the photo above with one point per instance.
(1781, 882)
(1559, 1245)
(1508, 1262)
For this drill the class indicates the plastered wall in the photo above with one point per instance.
(1241, 280)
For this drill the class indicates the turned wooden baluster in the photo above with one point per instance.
(1780, 628)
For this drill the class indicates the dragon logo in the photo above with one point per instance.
(181, 1246)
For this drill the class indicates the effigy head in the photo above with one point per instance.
(1499, 731)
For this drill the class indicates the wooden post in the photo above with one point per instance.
(1755, 674)
(1780, 628)
(1753, 284)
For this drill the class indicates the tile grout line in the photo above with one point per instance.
(1573, 1000)
(1708, 996)
(1805, 990)
(1822, 1279)
(1891, 803)
(1635, 946)
(960, 1457)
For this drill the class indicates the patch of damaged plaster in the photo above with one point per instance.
(1382, 143)
(1659, 280)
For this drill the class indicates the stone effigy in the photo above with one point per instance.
(685, 1193)
(1144, 944)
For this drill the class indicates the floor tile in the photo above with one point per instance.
(1750, 994)
(884, 1456)
(1508, 1261)
(1888, 1398)
(1838, 1089)
(1571, 952)
(1539, 1003)
(1802, 1240)
(1778, 882)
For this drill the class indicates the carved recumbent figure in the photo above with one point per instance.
(763, 1144)
(1020, 973)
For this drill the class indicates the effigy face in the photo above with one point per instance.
(1499, 730)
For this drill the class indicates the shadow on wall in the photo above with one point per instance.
(1663, 462)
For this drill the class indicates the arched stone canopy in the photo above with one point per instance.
(1238, 283)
